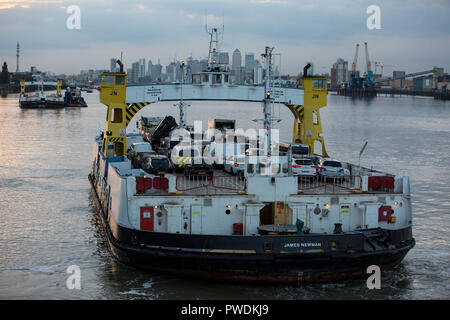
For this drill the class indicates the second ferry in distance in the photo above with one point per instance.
(40, 99)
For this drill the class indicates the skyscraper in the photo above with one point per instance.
(134, 74)
(249, 66)
(112, 67)
(156, 72)
(236, 66)
(141, 72)
(149, 68)
(257, 73)
(339, 72)
(223, 58)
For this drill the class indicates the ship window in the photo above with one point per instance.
(120, 80)
(116, 115)
(107, 80)
(319, 84)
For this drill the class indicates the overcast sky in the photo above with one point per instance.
(414, 35)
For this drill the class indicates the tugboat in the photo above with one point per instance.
(40, 99)
(73, 98)
(265, 225)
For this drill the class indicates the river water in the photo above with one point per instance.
(47, 222)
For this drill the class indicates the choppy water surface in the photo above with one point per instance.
(47, 222)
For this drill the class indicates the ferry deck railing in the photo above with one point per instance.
(309, 184)
(214, 184)
(313, 184)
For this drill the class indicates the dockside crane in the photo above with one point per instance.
(353, 83)
(368, 81)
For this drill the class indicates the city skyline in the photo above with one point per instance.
(301, 32)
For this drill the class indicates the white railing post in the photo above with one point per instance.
(365, 183)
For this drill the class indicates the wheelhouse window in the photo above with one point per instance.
(319, 84)
(107, 80)
(119, 80)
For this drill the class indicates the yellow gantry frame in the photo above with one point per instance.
(58, 87)
(307, 125)
(113, 93)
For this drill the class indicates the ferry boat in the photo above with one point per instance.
(40, 99)
(263, 226)
(73, 98)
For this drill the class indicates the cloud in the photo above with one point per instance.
(8, 4)
(414, 34)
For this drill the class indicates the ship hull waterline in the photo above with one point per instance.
(41, 105)
(169, 253)
(75, 105)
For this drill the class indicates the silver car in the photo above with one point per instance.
(333, 169)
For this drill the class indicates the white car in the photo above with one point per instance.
(303, 167)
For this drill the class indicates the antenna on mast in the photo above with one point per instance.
(214, 49)
(17, 56)
(181, 104)
(223, 24)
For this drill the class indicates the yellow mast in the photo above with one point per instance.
(113, 94)
(58, 87)
(307, 125)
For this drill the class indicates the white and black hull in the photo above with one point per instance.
(257, 259)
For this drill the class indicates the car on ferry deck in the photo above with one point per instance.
(235, 165)
(304, 167)
(300, 150)
(317, 160)
(191, 161)
(157, 164)
(198, 166)
(138, 152)
(333, 169)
